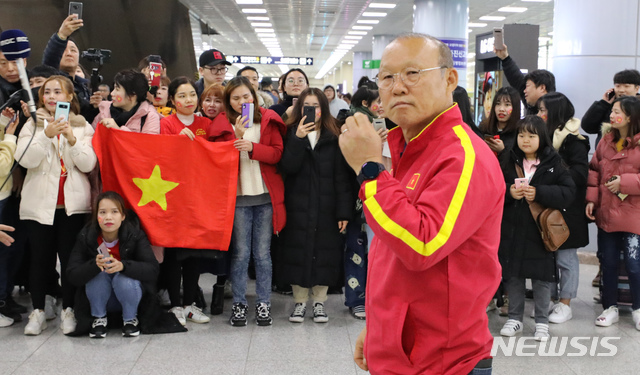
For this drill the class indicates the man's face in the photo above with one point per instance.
(533, 93)
(70, 58)
(9, 69)
(35, 82)
(252, 77)
(411, 106)
(104, 91)
(213, 74)
(625, 89)
(328, 92)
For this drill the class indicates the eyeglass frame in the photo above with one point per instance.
(293, 82)
(211, 69)
(399, 74)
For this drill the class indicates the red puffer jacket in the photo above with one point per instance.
(613, 214)
(268, 152)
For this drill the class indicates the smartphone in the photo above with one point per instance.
(155, 72)
(310, 112)
(378, 123)
(612, 94)
(613, 178)
(75, 8)
(104, 250)
(521, 182)
(247, 110)
(489, 136)
(498, 40)
(62, 110)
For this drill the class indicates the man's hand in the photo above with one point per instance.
(360, 142)
(69, 25)
(501, 53)
(606, 97)
(358, 353)
(6, 239)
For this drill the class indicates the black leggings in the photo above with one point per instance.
(45, 242)
(189, 270)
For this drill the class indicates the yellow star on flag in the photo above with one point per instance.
(154, 189)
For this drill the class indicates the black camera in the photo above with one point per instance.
(99, 56)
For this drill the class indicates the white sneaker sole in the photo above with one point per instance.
(35, 332)
(559, 320)
(321, 320)
(607, 323)
(296, 319)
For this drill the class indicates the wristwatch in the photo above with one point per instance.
(369, 171)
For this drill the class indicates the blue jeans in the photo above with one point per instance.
(609, 247)
(481, 371)
(252, 228)
(114, 292)
(355, 265)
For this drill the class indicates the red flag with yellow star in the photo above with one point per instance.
(184, 191)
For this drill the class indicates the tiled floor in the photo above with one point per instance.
(287, 348)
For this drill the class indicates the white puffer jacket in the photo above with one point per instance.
(42, 160)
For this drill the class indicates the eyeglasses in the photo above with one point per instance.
(215, 70)
(410, 76)
(300, 81)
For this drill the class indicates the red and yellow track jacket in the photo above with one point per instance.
(433, 266)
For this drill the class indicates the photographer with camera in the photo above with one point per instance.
(62, 53)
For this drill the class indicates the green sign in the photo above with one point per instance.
(370, 64)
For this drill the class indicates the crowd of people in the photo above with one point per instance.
(298, 224)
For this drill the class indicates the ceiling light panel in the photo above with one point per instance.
(357, 33)
(259, 31)
(249, 2)
(492, 18)
(261, 24)
(254, 11)
(257, 18)
(353, 37)
(374, 14)
(362, 27)
(368, 22)
(512, 9)
(476, 24)
(382, 5)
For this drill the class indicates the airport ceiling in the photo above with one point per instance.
(316, 28)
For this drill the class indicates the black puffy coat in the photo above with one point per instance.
(574, 152)
(317, 194)
(522, 252)
(139, 263)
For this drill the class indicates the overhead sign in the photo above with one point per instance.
(270, 60)
(484, 46)
(458, 49)
(370, 64)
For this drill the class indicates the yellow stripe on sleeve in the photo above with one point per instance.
(451, 215)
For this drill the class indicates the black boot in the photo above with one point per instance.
(217, 299)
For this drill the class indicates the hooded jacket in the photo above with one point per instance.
(574, 151)
(613, 214)
(268, 152)
(42, 160)
(433, 265)
(151, 122)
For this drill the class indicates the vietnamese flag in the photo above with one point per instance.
(184, 191)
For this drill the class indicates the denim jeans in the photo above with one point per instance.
(355, 265)
(609, 247)
(481, 371)
(114, 292)
(252, 228)
(568, 266)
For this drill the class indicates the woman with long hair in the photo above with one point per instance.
(557, 111)
(613, 198)
(56, 195)
(260, 195)
(499, 130)
(319, 203)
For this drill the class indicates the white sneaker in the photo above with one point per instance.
(68, 321)
(542, 332)
(37, 323)
(608, 317)
(194, 313)
(635, 314)
(5, 321)
(319, 315)
(560, 313)
(50, 307)
(492, 305)
(511, 327)
(179, 313)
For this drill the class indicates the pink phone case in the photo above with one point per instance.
(520, 182)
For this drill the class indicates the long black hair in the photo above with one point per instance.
(559, 110)
(326, 120)
(512, 95)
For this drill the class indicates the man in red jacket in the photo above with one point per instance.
(436, 216)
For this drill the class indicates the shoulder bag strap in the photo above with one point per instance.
(535, 208)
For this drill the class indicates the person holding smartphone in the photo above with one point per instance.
(260, 210)
(499, 129)
(319, 202)
(613, 199)
(112, 265)
(56, 194)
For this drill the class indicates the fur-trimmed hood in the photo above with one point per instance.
(74, 120)
(607, 132)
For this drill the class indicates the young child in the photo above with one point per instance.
(522, 252)
(161, 100)
(56, 194)
(613, 199)
(184, 262)
(113, 261)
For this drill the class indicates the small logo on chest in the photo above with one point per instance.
(414, 181)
